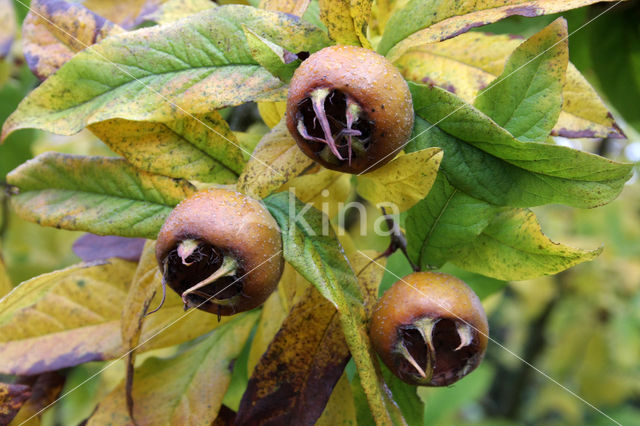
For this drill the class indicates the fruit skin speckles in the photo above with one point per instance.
(230, 240)
(349, 109)
(430, 329)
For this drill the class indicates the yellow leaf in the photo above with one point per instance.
(128, 14)
(272, 112)
(467, 64)
(442, 20)
(294, 7)
(360, 11)
(369, 275)
(336, 16)
(54, 32)
(64, 318)
(341, 408)
(186, 389)
(325, 189)
(275, 160)
(201, 148)
(404, 181)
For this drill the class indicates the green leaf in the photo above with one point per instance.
(527, 98)
(102, 195)
(201, 148)
(443, 221)
(195, 65)
(487, 162)
(406, 396)
(318, 257)
(280, 62)
(64, 318)
(420, 23)
(495, 181)
(513, 247)
(186, 389)
(467, 64)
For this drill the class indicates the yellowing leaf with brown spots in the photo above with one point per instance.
(336, 15)
(200, 148)
(403, 181)
(275, 161)
(12, 397)
(101, 195)
(54, 31)
(294, 7)
(513, 247)
(63, 318)
(421, 22)
(467, 64)
(294, 378)
(186, 389)
(291, 288)
(195, 65)
(272, 112)
(325, 189)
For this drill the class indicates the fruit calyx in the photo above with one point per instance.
(436, 351)
(336, 122)
(204, 272)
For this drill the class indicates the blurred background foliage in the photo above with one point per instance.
(580, 327)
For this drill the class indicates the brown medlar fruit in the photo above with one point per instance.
(349, 109)
(221, 251)
(430, 329)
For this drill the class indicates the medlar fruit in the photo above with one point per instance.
(349, 109)
(221, 251)
(430, 329)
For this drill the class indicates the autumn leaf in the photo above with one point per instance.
(52, 34)
(294, 7)
(417, 24)
(326, 189)
(5, 281)
(336, 15)
(403, 181)
(186, 389)
(275, 160)
(12, 397)
(513, 247)
(293, 380)
(129, 14)
(201, 148)
(196, 65)
(272, 112)
(467, 64)
(102, 195)
(63, 318)
(340, 409)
